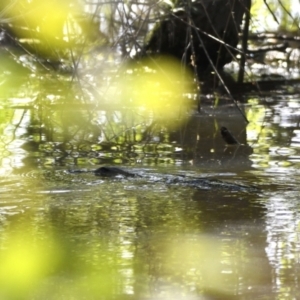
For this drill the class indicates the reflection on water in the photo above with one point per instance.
(156, 243)
(145, 239)
(283, 243)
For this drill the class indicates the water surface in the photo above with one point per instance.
(138, 238)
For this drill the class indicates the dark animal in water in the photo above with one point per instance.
(112, 172)
(201, 33)
(181, 180)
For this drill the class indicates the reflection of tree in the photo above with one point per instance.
(162, 243)
(68, 132)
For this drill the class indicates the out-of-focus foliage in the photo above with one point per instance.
(25, 260)
(158, 86)
(48, 28)
(37, 263)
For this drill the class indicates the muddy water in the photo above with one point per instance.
(146, 239)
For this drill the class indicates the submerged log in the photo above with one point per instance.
(201, 33)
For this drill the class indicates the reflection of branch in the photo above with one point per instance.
(116, 135)
(17, 126)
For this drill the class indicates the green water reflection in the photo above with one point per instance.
(136, 239)
(144, 241)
